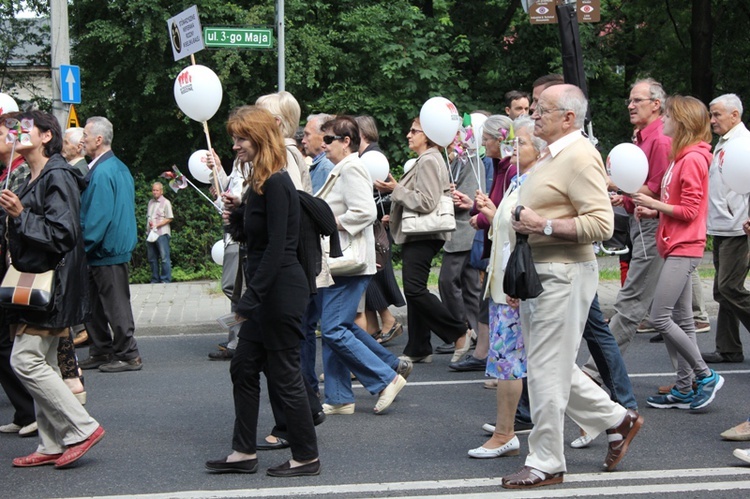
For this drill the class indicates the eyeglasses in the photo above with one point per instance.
(541, 111)
(328, 139)
(415, 131)
(635, 101)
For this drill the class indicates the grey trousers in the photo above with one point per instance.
(634, 299)
(460, 287)
(61, 419)
(672, 316)
(230, 266)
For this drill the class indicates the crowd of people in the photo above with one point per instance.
(308, 254)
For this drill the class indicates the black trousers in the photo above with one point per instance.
(280, 429)
(110, 296)
(14, 389)
(426, 311)
(282, 370)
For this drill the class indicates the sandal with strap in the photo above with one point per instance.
(530, 477)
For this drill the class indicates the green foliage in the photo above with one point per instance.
(195, 229)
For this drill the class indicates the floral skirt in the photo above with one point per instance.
(507, 355)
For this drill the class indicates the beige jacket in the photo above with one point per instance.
(348, 191)
(420, 190)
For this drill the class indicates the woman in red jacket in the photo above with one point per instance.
(681, 239)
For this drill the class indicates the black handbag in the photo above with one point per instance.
(521, 280)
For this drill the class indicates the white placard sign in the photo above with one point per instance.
(185, 33)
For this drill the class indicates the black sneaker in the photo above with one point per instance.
(119, 366)
(225, 354)
(521, 428)
(94, 361)
(469, 363)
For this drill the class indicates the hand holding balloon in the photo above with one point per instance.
(461, 200)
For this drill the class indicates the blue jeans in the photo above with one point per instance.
(346, 348)
(308, 345)
(160, 251)
(607, 357)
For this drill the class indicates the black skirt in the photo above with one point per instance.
(383, 290)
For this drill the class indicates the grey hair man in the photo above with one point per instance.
(727, 211)
(312, 141)
(109, 236)
(566, 208)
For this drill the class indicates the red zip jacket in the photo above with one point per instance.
(685, 186)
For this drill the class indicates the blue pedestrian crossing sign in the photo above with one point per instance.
(70, 84)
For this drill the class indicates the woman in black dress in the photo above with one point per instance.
(276, 296)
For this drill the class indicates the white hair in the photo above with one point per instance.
(572, 99)
(730, 101)
(526, 123)
(74, 135)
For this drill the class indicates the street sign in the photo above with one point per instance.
(543, 11)
(245, 38)
(70, 84)
(73, 118)
(185, 33)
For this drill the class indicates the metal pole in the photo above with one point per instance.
(60, 52)
(280, 36)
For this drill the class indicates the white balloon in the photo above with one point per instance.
(217, 252)
(440, 120)
(377, 164)
(198, 166)
(198, 92)
(409, 165)
(628, 166)
(477, 123)
(734, 165)
(7, 104)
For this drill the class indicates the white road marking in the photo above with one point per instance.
(452, 486)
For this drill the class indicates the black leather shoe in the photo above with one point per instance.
(469, 363)
(718, 357)
(446, 348)
(266, 445)
(319, 418)
(225, 354)
(94, 361)
(285, 470)
(120, 366)
(222, 466)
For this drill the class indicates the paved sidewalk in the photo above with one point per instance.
(196, 305)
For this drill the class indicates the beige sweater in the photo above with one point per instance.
(572, 184)
(420, 190)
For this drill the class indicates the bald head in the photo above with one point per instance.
(561, 110)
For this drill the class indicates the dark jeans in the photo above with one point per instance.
(282, 370)
(308, 346)
(606, 354)
(426, 311)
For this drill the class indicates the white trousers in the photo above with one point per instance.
(552, 327)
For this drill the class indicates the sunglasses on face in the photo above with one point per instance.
(328, 139)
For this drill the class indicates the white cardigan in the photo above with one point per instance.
(503, 241)
(348, 191)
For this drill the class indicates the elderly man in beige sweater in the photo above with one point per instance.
(566, 209)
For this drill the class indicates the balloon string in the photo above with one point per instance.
(479, 162)
(214, 166)
(448, 162)
(640, 231)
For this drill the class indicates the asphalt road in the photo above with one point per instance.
(163, 422)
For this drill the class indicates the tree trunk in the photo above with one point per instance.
(701, 38)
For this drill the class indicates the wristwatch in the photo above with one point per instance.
(548, 228)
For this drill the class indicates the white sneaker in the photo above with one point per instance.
(330, 409)
(488, 427)
(743, 454)
(511, 448)
(28, 430)
(10, 428)
(582, 442)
